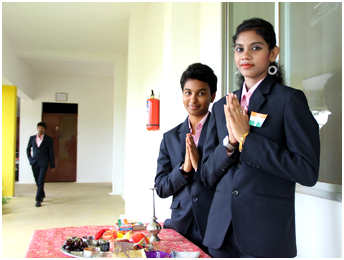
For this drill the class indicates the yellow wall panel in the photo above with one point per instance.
(9, 124)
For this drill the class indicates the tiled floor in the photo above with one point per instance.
(66, 204)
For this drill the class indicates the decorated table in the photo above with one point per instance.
(46, 243)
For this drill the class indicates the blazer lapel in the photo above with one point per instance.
(258, 96)
(43, 141)
(34, 144)
(203, 135)
(183, 130)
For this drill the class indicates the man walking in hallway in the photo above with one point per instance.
(42, 153)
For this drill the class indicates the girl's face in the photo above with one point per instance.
(252, 56)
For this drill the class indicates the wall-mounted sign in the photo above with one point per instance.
(61, 96)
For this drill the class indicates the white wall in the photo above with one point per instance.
(144, 74)
(95, 99)
(210, 46)
(318, 227)
(119, 122)
(15, 70)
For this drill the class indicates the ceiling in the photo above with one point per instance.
(69, 37)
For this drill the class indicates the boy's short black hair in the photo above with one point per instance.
(200, 72)
(42, 124)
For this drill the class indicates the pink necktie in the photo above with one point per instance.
(245, 100)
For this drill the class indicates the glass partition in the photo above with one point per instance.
(311, 52)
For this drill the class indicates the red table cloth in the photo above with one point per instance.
(46, 243)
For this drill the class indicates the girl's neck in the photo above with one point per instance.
(250, 82)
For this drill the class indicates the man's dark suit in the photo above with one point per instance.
(40, 161)
(191, 199)
(255, 189)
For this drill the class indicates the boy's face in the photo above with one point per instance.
(41, 130)
(197, 97)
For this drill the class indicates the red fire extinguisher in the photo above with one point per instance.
(153, 113)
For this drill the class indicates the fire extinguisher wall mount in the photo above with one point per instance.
(153, 113)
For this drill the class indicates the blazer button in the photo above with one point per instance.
(195, 199)
(235, 193)
(239, 165)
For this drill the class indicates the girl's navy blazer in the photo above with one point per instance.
(255, 189)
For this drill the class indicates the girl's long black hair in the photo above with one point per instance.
(266, 30)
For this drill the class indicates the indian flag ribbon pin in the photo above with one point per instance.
(257, 119)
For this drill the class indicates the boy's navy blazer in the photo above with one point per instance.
(255, 189)
(42, 154)
(189, 198)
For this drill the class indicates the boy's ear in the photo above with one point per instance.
(274, 53)
(213, 97)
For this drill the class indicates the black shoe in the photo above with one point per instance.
(38, 203)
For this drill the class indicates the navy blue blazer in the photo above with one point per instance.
(42, 154)
(190, 198)
(256, 187)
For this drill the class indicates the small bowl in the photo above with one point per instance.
(90, 251)
(91, 241)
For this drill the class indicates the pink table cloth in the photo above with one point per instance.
(46, 243)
